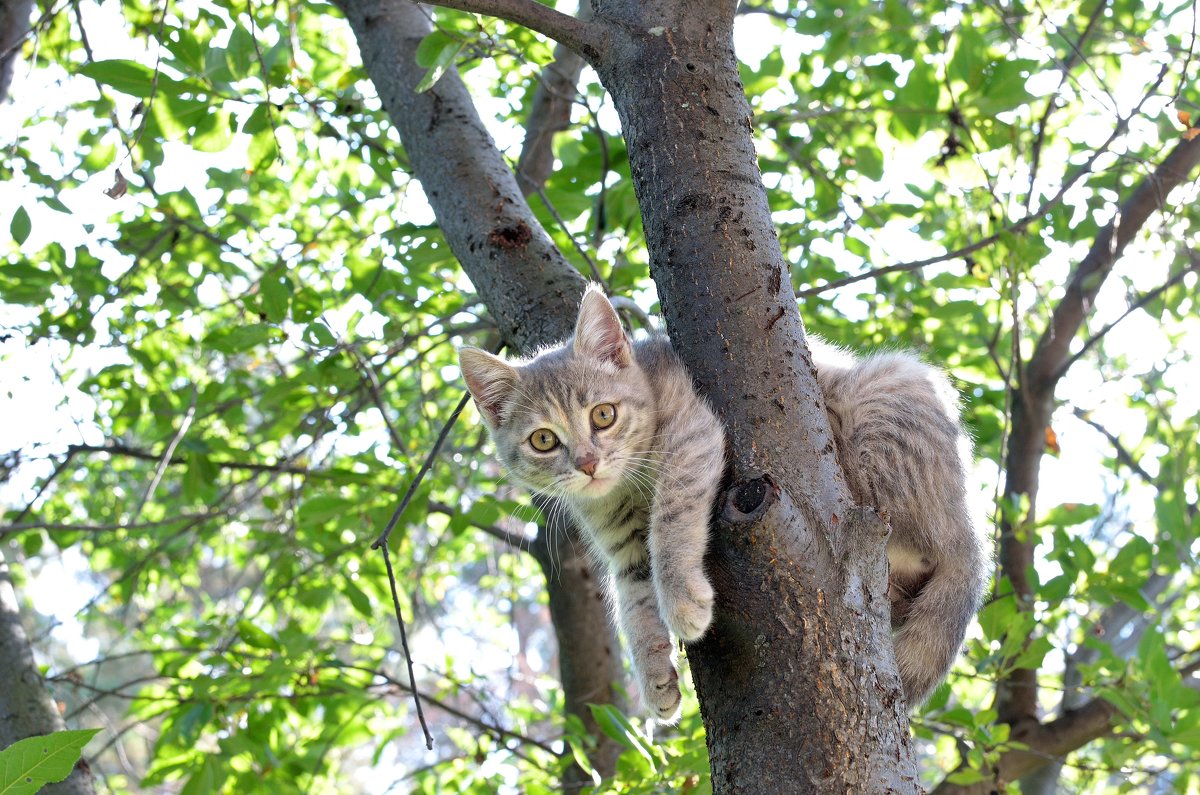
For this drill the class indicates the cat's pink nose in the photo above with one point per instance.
(586, 464)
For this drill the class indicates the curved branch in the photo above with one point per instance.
(1146, 298)
(1052, 351)
(586, 37)
(1033, 401)
(1048, 743)
(528, 286)
(1014, 227)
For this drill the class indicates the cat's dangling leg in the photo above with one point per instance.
(649, 642)
(689, 477)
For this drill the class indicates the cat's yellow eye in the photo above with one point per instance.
(543, 440)
(604, 415)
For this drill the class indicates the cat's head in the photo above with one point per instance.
(576, 419)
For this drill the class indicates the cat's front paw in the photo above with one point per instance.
(659, 683)
(687, 606)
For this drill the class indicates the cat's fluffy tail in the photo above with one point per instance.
(936, 623)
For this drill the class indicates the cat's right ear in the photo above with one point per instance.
(490, 379)
(598, 331)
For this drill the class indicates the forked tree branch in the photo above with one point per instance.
(586, 37)
(1033, 401)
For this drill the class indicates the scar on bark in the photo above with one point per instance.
(510, 237)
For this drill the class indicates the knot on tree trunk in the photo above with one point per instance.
(510, 237)
(747, 500)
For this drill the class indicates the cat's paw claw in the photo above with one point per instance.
(662, 695)
(689, 612)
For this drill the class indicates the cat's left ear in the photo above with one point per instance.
(598, 332)
(491, 381)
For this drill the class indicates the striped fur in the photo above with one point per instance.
(654, 474)
(645, 507)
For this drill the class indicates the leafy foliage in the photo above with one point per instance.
(27, 765)
(254, 332)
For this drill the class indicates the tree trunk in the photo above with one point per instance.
(14, 26)
(26, 707)
(797, 679)
(529, 288)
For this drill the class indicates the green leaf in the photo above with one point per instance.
(213, 132)
(176, 116)
(358, 599)
(577, 753)
(1068, 514)
(20, 226)
(1032, 655)
(275, 290)
(204, 780)
(55, 203)
(239, 338)
(128, 77)
(614, 723)
(27, 765)
(256, 636)
(965, 776)
(441, 63)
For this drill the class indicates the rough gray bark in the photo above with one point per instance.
(797, 680)
(26, 707)
(14, 26)
(589, 654)
(530, 289)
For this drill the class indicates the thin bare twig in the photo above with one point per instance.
(595, 271)
(166, 458)
(1014, 227)
(425, 466)
(412, 677)
(1192, 267)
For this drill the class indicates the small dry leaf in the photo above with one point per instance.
(119, 187)
(1190, 133)
(1185, 118)
(1052, 441)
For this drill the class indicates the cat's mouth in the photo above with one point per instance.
(597, 487)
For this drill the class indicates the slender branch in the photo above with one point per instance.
(377, 397)
(514, 540)
(412, 677)
(163, 463)
(58, 469)
(381, 541)
(1065, 67)
(497, 730)
(549, 113)
(243, 466)
(588, 38)
(1012, 228)
(1047, 743)
(1123, 455)
(592, 267)
(1033, 404)
(9, 529)
(1192, 267)
(1046, 363)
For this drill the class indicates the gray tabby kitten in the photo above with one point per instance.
(616, 431)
